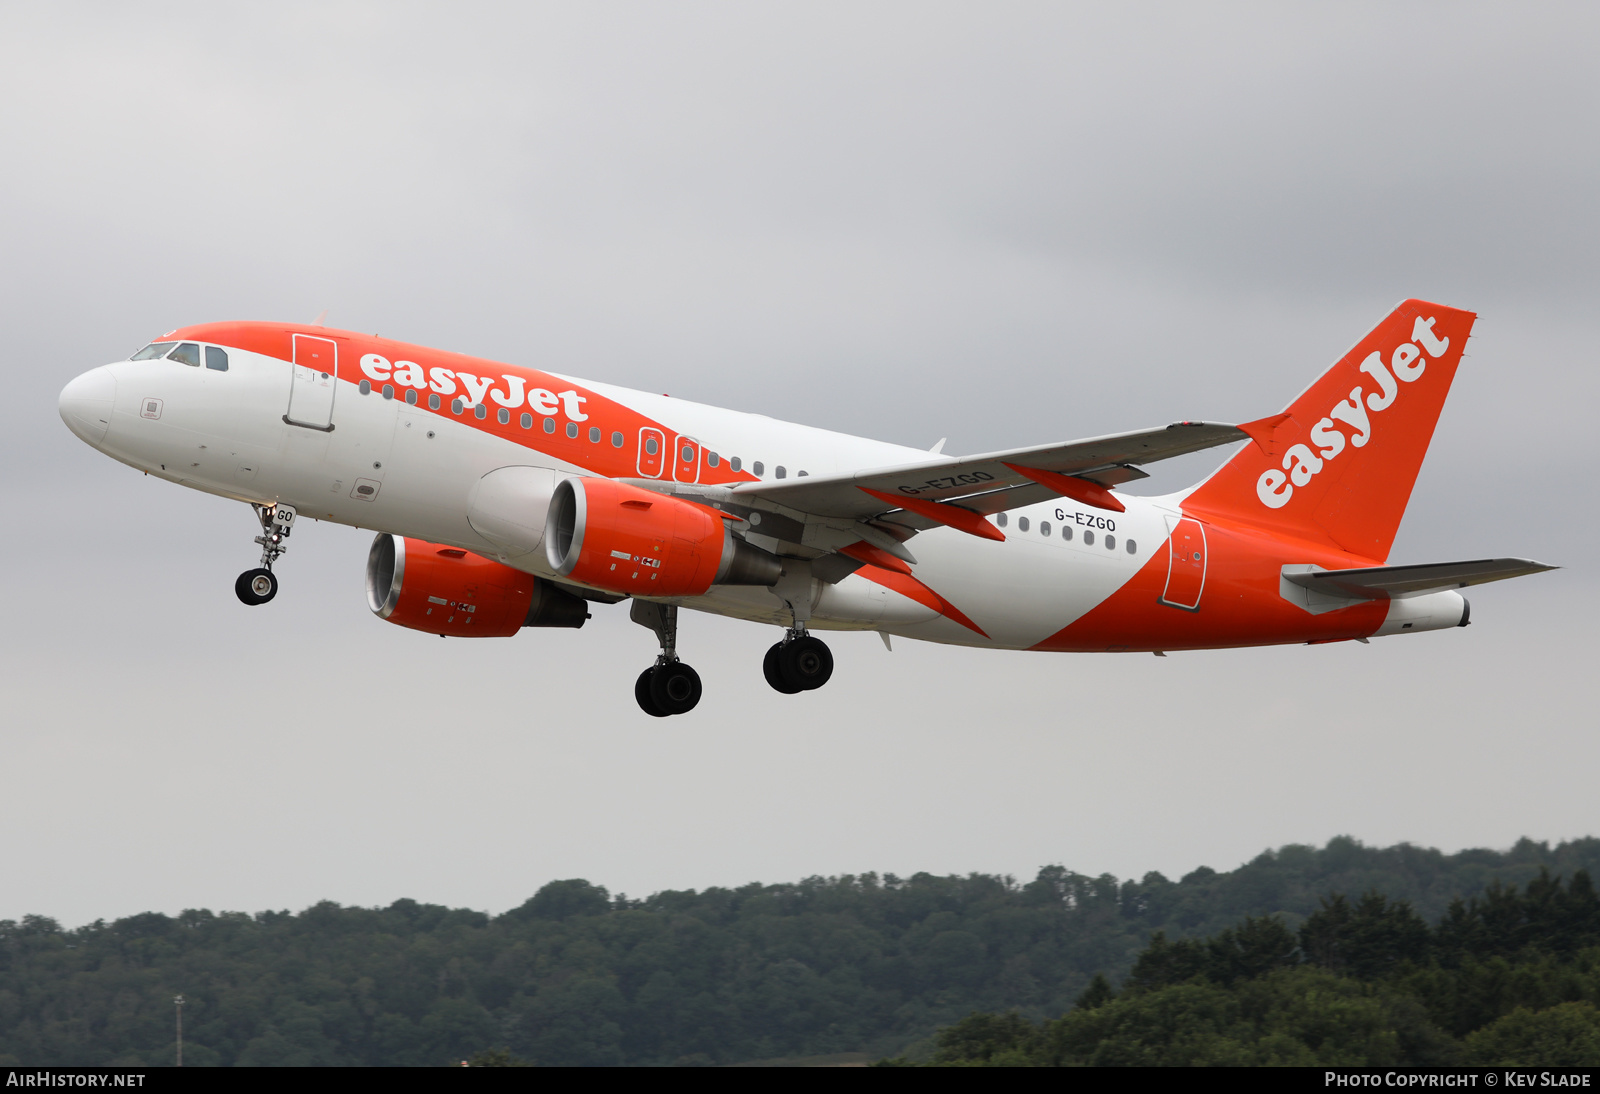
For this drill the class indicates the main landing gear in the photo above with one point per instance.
(798, 663)
(260, 585)
(669, 686)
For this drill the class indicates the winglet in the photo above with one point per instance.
(1263, 431)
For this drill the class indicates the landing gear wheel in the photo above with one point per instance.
(675, 687)
(774, 675)
(256, 587)
(641, 692)
(806, 663)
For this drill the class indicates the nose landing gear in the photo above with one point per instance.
(798, 663)
(260, 585)
(256, 587)
(669, 686)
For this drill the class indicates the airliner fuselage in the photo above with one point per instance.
(600, 493)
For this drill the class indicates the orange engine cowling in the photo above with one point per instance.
(447, 591)
(623, 539)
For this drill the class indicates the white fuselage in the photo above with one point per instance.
(225, 433)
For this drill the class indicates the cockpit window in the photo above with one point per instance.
(152, 351)
(188, 353)
(217, 358)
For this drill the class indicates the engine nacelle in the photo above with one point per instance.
(447, 591)
(623, 539)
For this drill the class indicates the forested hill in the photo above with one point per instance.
(573, 976)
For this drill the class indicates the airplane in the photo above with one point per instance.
(507, 497)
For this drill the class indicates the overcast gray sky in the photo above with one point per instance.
(1002, 224)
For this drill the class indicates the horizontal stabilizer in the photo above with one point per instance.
(1399, 582)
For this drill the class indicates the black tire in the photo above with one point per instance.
(675, 687)
(769, 669)
(255, 587)
(806, 663)
(641, 692)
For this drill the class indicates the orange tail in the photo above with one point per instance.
(1339, 464)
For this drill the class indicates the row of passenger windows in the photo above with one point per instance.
(1066, 533)
(187, 353)
(651, 444)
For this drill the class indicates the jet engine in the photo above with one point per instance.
(446, 591)
(623, 539)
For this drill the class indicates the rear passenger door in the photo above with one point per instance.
(1186, 564)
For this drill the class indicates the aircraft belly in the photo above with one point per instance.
(1031, 586)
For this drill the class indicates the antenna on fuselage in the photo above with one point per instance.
(321, 315)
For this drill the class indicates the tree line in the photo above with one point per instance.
(864, 963)
(1509, 979)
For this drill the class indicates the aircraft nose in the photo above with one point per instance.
(86, 404)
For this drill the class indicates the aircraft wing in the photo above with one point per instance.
(1399, 582)
(987, 483)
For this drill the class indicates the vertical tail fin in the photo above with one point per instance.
(1339, 464)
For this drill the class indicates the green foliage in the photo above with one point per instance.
(1098, 993)
(1373, 938)
(831, 965)
(1365, 984)
(563, 900)
(994, 1039)
(1566, 1035)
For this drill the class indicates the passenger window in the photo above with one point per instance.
(481, 411)
(594, 434)
(365, 387)
(781, 472)
(1044, 528)
(152, 351)
(527, 420)
(1066, 532)
(803, 474)
(411, 396)
(1088, 537)
(712, 459)
(1000, 519)
(733, 464)
(388, 391)
(759, 470)
(572, 430)
(1133, 548)
(504, 416)
(1111, 543)
(188, 353)
(616, 440)
(1022, 524)
(216, 359)
(456, 406)
(549, 425)
(650, 446)
(433, 402)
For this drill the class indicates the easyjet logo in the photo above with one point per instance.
(1301, 464)
(379, 370)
